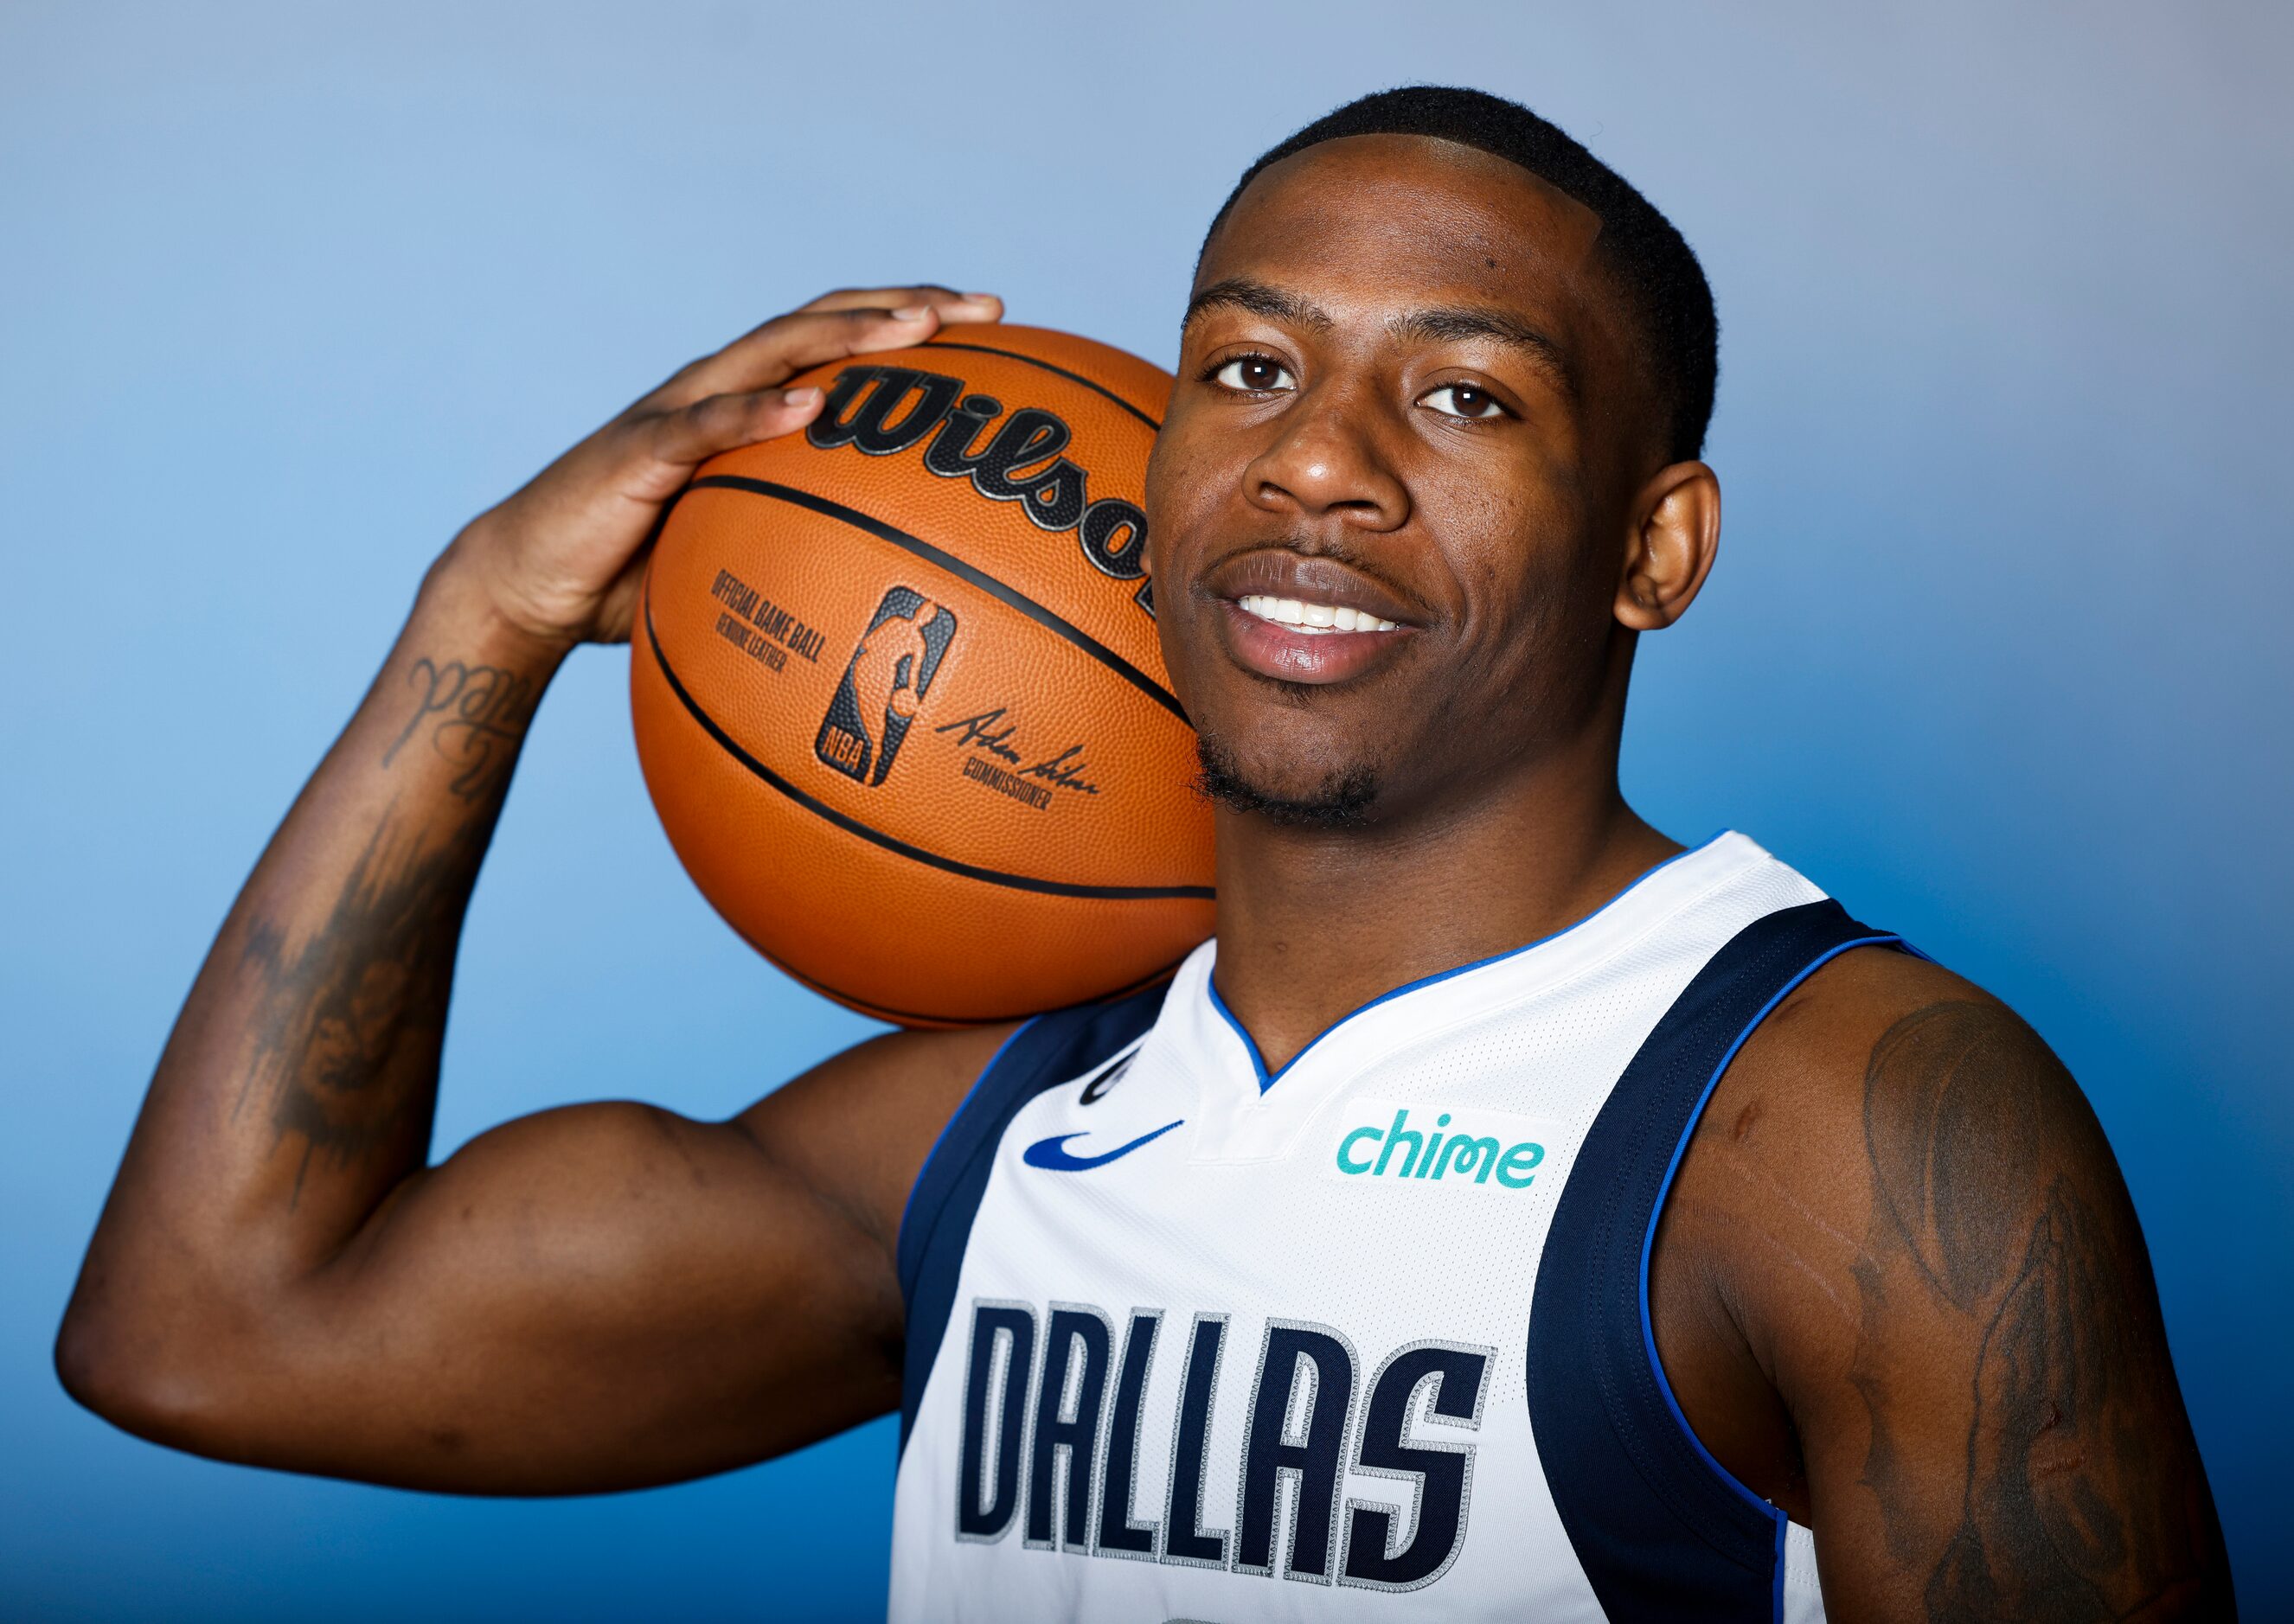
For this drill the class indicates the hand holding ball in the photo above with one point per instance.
(898, 695)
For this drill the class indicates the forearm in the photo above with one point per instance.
(589, 1298)
(297, 1089)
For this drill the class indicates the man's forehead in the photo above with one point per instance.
(1407, 192)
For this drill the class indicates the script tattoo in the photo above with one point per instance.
(2074, 1500)
(351, 1015)
(481, 713)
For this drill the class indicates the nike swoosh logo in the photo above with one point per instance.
(1052, 1152)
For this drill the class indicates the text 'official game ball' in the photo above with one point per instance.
(897, 695)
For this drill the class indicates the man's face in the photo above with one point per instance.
(1402, 404)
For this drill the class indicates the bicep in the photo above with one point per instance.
(610, 1296)
(2002, 1435)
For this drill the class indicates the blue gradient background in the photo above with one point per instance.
(1995, 650)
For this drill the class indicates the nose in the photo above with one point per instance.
(1326, 463)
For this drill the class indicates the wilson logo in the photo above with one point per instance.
(884, 684)
(1382, 1140)
(882, 410)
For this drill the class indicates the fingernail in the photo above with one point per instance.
(980, 298)
(805, 396)
(912, 313)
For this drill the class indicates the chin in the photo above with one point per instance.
(1302, 794)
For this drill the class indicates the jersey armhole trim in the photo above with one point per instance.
(1765, 1506)
(908, 1256)
(936, 1224)
(1659, 1527)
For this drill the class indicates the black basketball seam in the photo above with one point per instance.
(886, 1012)
(956, 567)
(893, 843)
(1075, 377)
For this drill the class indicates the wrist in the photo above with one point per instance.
(459, 598)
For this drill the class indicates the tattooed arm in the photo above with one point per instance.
(598, 1296)
(1904, 1296)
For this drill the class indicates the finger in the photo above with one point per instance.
(788, 344)
(952, 305)
(762, 357)
(672, 443)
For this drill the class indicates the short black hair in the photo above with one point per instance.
(1663, 287)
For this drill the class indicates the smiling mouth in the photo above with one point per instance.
(1304, 615)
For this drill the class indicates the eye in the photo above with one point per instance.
(1254, 374)
(1463, 400)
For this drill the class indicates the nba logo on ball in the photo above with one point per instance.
(884, 684)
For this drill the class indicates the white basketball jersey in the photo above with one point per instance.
(1365, 1337)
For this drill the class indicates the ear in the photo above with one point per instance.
(1671, 551)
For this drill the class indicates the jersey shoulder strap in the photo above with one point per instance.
(1661, 1529)
(937, 1225)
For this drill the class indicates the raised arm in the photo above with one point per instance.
(1907, 1299)
(593, 1298)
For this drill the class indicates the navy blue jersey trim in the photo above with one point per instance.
(1267, 1080)
(1672, 1171)
(1662, 1529)
(936, 1226)
(925, 1174)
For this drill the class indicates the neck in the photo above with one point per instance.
(1314, 924)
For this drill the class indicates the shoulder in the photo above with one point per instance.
(1865, 1008)
(1905, 1218)
(856, 1127)
(1914, 1077)
(1892, 1146)
(1888, 1093)
(860, 1126)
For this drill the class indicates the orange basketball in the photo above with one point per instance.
(898, 695)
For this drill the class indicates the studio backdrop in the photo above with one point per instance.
(1996, 651)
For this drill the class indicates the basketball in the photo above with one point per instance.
(897, 695)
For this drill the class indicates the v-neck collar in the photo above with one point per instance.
(1652, 897)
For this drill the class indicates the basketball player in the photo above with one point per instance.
(1513, 1215)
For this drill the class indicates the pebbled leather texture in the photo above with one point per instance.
(898, 695)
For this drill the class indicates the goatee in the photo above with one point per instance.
(1342, 801)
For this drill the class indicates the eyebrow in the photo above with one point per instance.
(1241, 293)
(1423, 325)
(1467, 322)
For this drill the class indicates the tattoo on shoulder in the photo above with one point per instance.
(2060, 1490)
(475, 714)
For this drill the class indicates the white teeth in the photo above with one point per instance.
(1300, 616)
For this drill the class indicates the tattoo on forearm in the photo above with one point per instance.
(351, 1019)
(476, 716)
(2073, 1500)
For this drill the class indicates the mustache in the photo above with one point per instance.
(1312, 567)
